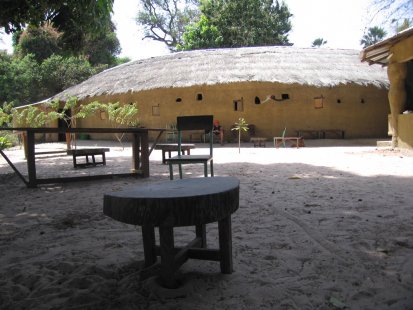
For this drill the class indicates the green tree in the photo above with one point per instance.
(19, 79)
(373, 35)
(24, 81)
(406, 24)
(103, 47)
(87, 14)
(249, 22)
(201, 35)
(318, 42)
(165, 20)
(42, 42)
(58, 73)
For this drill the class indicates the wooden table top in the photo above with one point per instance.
(182, 202)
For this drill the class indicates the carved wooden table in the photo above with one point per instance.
(184, 202)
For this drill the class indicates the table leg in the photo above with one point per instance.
(163, 157)
(225, 244)
(166, 241)
(148, 235)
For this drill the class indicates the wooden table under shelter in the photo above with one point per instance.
(177, 203)
(140, 153)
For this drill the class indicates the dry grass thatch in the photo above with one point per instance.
(318, 67)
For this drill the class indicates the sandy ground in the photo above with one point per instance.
(317, 228)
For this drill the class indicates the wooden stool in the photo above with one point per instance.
(183, 202)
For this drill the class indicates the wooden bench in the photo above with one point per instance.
(258, 141)
(308, 133)
(337, 133)
(88, 152)
(297, 141)
(173, 147)
(178, 203)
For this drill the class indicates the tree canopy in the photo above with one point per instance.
(165, 20)
(16, 14)
(318, 42)
(57, 44)
(373, 35)
(193, 24)
(249, 22)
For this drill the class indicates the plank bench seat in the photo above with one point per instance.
(88, 152)
(296, 141)
(173, 147)
(258, 141)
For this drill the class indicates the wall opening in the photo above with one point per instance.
(239, 105)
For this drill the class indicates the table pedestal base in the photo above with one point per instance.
(172, 258)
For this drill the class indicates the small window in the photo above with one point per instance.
(199, 97)
(178, 100)
(257, 100)
(285, 96)
(239, 105)
(155, 110)
(318, 102)
(338, 101)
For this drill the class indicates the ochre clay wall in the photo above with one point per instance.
(360, 111)
(406, 131)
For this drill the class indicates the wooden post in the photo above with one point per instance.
(144, 154)
(31, 160)
(135, 152)
(397, 73)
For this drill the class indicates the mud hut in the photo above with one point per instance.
(271, 87)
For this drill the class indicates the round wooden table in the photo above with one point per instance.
(184, 202)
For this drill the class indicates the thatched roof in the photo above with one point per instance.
(289, 65)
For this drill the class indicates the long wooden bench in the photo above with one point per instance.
(88, 152)
(173, 147)
(296, 141)
(337, 133)
(258, 141)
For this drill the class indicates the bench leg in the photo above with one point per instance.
(171, 172)
(225, 245)
(180, 171)
(163, 157)
(104, 159)
(74, 161)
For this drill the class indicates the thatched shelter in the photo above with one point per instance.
(397, 54)
(311, 88)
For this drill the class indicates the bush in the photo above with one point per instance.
(5, 143)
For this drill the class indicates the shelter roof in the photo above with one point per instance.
(380, 53)
(318, 67)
